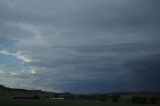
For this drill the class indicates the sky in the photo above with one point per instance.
(80, 46)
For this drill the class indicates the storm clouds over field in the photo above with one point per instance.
(80, 45)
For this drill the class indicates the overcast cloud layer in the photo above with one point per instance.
(80, 45)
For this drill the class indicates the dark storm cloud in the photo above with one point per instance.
(145, 72)
(82, 45)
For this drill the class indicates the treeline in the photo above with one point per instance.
(116, 98)
(144, 100)
(100, 97)
(133, 97)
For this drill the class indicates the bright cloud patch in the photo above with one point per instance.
(18, 55)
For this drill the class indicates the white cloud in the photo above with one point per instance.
(18, 55)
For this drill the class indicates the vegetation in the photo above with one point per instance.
(21, 97)
(63, 103)
(139, 100)
(153, 100)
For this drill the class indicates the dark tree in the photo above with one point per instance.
(56, 95)
(153, 100)
(103, 98)
(139, 100)
(115, 98)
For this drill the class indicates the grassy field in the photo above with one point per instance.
(62, 103)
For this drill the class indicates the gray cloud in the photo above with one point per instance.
(82, 46)
(144, 73)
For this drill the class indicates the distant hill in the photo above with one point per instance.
(2, 87)
(14, 92)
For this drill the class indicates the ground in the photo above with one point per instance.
(11, 102)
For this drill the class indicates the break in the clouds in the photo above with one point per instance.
(80, 45)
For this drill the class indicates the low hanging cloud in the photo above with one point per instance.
(80, 46)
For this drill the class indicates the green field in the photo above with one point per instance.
(62, 103)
